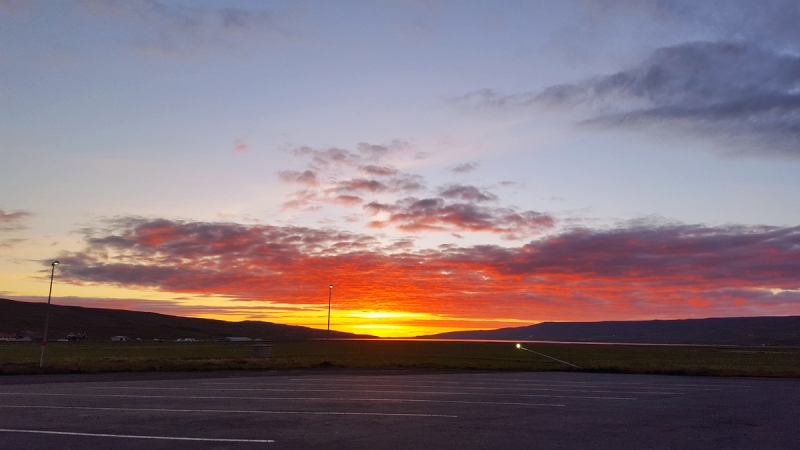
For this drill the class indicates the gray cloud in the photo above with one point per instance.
(772, 22)
(12, 221)
(363, 159)
(307, 177)
(175, 29)
(436, 214)
(745, 96)
(464, 168)
(466, 193)
(380, 171)
(8, 243)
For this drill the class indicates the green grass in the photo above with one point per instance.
(89, 357)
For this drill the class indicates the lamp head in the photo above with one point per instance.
(55, 263)
(331, 286)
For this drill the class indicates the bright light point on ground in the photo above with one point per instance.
(519, 346)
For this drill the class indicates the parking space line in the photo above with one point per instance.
(133, 436)
(533, 382)
(332, 399)
(371, 392)
(230, 411)
(358, 389)
(468, 380)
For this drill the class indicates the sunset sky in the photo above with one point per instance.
(445, 165)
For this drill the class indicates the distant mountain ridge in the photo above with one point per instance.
(715, 331)
(102, 324)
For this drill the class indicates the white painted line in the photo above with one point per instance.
(357, 388)
(495, 381)
(132, 436)
(229, 411)
(417, 380)
(331, 399)
(421, 383)
(374, 392)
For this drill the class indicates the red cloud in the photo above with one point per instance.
(240, 146)
(624, 273)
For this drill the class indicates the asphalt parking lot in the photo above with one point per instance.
(349, 409)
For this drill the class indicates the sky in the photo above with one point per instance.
(445, 165)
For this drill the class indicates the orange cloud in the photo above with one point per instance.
(580, 275)
(240, 146)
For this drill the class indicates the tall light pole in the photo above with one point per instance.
(47, 314)
(328, 336)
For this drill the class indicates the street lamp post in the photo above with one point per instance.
(328, 336)
(47, 313)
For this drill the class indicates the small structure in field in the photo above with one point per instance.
(32, 335)
(8, 336)
(120, 338)
(238, 339)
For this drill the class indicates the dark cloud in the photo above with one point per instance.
(744, 95)
(466, 167)
(407, 183)
(734, 254)
(436, 214)
(466, 193)
(636, 271)
(11, 221)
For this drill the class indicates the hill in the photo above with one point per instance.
(721, 331)
(101, 324)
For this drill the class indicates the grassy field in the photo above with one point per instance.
(89, 357)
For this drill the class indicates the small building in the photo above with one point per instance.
(8, 336)
(237, 339)
(120, 338)
(32, 335)
(76, 337)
